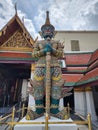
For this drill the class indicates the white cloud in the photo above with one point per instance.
(31, 29)
(69, 14)
(64, 14)
(6, 12)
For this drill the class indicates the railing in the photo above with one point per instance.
(12, 123)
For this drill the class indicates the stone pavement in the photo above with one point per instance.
(82, 127)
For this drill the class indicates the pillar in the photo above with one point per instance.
(31, 102)
(32, 70)
(90, 103)
(80, 101)
(24, 89)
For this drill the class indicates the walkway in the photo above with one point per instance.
(82, 127)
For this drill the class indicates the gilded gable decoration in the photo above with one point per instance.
(17, 40)
(15, 37)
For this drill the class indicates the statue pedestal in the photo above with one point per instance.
(42, 126)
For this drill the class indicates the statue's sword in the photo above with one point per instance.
(48, 82)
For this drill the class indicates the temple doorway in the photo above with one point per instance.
(11, 82)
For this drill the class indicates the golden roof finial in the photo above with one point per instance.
(47, 18)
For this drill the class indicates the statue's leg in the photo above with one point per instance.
(55, 97)
(54, 111)
(56, 89)
(38, 93)
(39, 100)
(39, 104)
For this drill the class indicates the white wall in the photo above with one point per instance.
(88, 40)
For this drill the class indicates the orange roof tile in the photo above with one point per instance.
(15, 55)
(91, 74)
(76, 68)
(77, 59)
(72, 77)
(94, 56)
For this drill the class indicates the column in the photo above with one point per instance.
(31, 102)
(90, 103)
(32, 70)
(80, 101)
(24, 89)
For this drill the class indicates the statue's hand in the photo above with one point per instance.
(48, 48)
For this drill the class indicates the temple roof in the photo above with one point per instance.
(71, 79)
(89, 77)
(7, 32)
(77, 59)
(16, 57)
(82, 68)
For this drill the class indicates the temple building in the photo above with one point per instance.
(79, 66)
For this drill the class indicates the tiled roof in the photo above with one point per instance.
(88, 77)
(93, 63)
(11, 57)
(71, 79)
(76, 69)
(9, 29)
(77, 58)
(94, 57)
(85, 64)
(14, 55)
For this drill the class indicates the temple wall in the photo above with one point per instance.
(87, 40)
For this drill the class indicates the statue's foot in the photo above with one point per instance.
(31, 115)
(61, 114)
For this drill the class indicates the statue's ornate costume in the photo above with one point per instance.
(40, 72)
(55, 48)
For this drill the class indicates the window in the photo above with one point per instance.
(75, 45)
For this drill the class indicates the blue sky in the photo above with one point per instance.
(64, 14)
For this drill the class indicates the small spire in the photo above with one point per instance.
(16, 8)
(47, 18)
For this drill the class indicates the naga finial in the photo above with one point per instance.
(15, 8)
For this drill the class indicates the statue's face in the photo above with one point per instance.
(47, 31)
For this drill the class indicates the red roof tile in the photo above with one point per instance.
(94, 56)
(14, 55)
(76, 68)
(93, 65)
(89, 75)
(77, 59)
(72, 77)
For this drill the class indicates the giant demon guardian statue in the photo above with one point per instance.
(47, 80)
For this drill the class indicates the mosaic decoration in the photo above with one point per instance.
(16, 40)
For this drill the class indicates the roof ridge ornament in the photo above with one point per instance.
(15, 6)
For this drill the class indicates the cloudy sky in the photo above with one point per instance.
(64, 14)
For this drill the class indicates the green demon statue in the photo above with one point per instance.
(55, 49)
